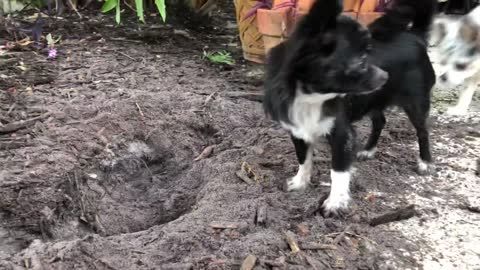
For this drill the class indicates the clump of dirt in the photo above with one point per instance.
(133, 156)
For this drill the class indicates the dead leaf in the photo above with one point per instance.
(205, 153)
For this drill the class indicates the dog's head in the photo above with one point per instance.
(458, 49)
(329, 53)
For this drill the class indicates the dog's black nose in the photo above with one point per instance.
(444, 77)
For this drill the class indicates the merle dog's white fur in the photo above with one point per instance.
(457, 48)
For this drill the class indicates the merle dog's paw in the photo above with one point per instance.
(299, 182)
(425, 168)
(365, 154)
(458, 111)
(336, 206)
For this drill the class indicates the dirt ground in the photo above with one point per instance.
(106, 170)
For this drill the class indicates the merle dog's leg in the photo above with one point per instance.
(304, 155)
(418, 114)
(342, 143)
(464, 100)
(378, 122)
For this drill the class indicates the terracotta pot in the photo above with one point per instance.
(365, 6)
(349, 5)
(304, 5)
(274, 25)
(367, 18)
(250, 37)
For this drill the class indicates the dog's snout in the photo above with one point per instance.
(444, 77)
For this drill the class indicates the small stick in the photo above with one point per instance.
(221, 225)
(340, 236)
(12, 127)
(249, 262)
(292, 242)
(395, 215)
(126, 55)
(315, 246)
(139, 110)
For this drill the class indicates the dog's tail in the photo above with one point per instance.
(405, 15)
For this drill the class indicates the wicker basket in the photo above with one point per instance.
(252, 42)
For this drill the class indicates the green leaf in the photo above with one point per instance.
(109, 5)
(161, 8)
(139, 5)
(117, 15)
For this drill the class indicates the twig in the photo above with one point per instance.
(126, 55)
(395, 215)
(340, 237)
(12, 127)
(316, 246)
(222, 225)
(253, 96)
(75, 9)
(139, 110)
(292, 242)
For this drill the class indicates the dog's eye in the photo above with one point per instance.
(461, 66)
(472, 52)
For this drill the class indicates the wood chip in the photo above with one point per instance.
(292, 242)
(394, 215)
(249, 262)
(262, 214)
(224, 225)
(205, 153)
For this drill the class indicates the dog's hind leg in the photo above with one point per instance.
(342, 143)
(304, 153)
(418, 115)
(378, 122)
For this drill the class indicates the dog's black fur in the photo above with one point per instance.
(324, 55)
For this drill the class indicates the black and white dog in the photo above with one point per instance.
(333, 71)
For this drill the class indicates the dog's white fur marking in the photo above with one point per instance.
(304, 174)
(308, 123)
(366, 154)
(424, 167)
(339, 192)
(466, 96)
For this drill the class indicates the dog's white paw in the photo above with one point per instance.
(336, 205)
(366, 154)
(339, 197)
(425, 168)
(456, 111)
(299, 182)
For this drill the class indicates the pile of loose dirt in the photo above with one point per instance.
(133, 163)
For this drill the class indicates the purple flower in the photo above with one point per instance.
(52, 53)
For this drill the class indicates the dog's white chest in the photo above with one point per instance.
(306, 115)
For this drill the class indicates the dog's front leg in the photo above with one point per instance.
(341, 142)
(304, 155)
(466, 96)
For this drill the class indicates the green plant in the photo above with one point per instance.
(111, 4)
(221, 57)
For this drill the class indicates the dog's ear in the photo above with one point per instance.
(469, 31)
(438, 32)
(321, 17)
